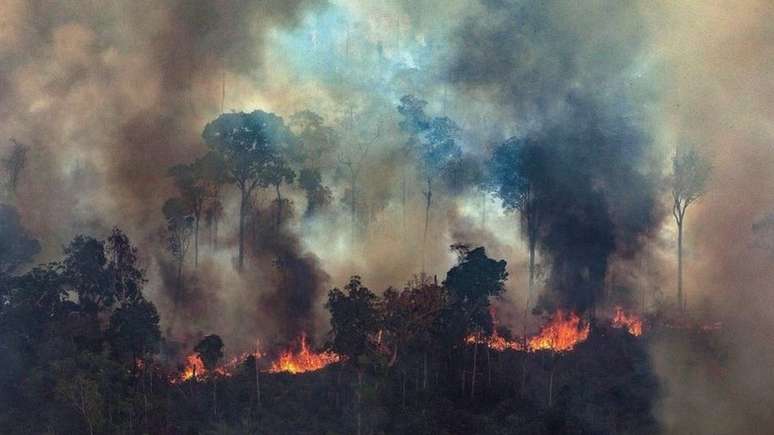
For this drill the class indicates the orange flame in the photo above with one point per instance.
(631, 322)
(193, 369)
(560, 334)
(302, 360)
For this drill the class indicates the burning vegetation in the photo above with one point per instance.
(302, 359)
(296, 358)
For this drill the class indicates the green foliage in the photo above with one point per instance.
(249, 144)
(354, 320)
(133, 332)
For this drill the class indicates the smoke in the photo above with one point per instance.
(108, 96)
(596, 195)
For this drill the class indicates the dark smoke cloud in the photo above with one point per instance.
(597, 194)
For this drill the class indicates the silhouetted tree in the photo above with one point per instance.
(249, 144)
(133, 332)
(179, 230)
(355, 321)
(198, 183)
(279, 172)
(690, 172)
(210, 351)
(435, 141)
(471, 283)
(318, 196)
(516, 170)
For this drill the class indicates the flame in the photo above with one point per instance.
(193, 369)
(631, 322)
(560, 334)
(302, 360)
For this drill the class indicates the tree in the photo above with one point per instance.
(318, 196)
(471, 282)
(16, 245)
(355, 321)
(315, 143)
(102, 272)
(690, 173)
(133, 331)
(516, 169)
(276, 173)
(248, 143)
(14, 165)
(197, 183)
(179, 230)
(435, 140)
(127, 278)
(210, 351)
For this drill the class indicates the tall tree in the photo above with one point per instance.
(133, 332)
(690, 173)
(515, 170)
(14, 164)
(436, 142)
(279, 172)
(197, 183)
(471, 283)
(248, 144)
(355, 322)
(179, 230)
(318, 196)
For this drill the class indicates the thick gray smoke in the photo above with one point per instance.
(595, 193)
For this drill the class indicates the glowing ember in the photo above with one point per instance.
(631, 322)
(560, 334)
(302, 360)
(193, 369)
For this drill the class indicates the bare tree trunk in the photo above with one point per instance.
(428, 202)
(279, 207)
(359, 401)
(488, 367)
(403, 392)
(680, 297)
(475, 368)
(196, 241)
(424, 368)
(242, 210)
(551, 385)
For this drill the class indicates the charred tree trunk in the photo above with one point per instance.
(681, 300)
(475, 368)
(242, 211)
(279, 208)
(428, 202)
(424, 370)
(551, 384)
(359, 401)
(196, 240)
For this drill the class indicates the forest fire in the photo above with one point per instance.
(562, 333)
(290, 361)
(632, 322)
(193, 369)
(302, 360)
